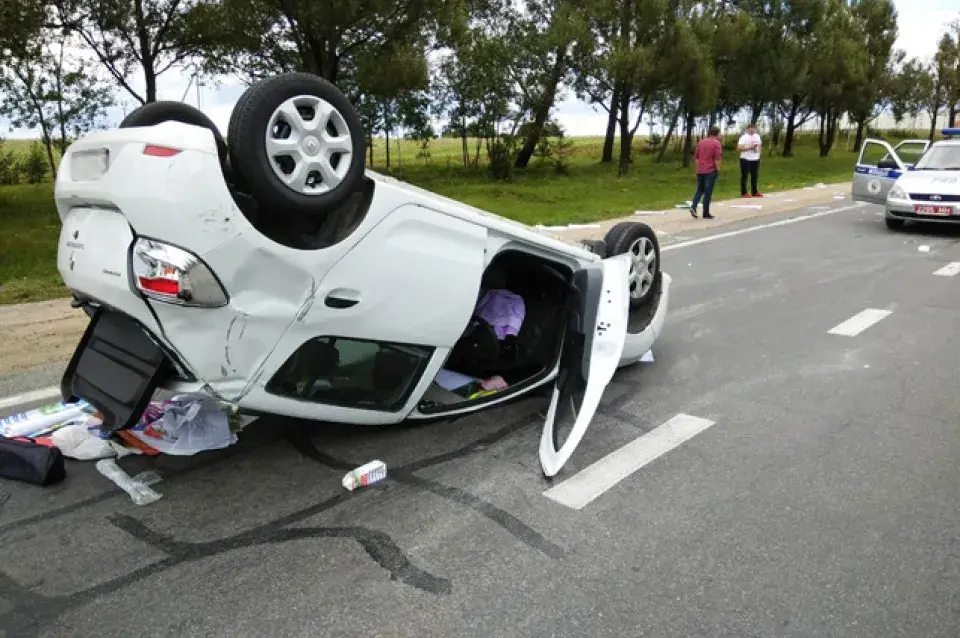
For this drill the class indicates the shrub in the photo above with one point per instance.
(8, 167)
(34, 165)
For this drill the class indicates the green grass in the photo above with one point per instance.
(590, 192)
(29, 231)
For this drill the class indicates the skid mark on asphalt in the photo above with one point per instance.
(859, 322)
(590, 483)
(405, 475)
(32, 613)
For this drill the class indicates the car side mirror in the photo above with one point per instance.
(889, 163)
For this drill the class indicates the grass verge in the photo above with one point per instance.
(590, 191)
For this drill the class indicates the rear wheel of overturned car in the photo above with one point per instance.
(640, 242)
(297, 143)
(154, 113)
(894, 224)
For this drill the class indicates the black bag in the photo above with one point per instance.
(30, 462)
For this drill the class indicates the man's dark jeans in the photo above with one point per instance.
(753, 168)
(705, 184)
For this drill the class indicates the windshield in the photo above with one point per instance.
(940, 158)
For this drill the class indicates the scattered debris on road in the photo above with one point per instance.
(366, 474)
(924, 249)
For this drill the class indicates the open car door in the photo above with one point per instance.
(878, 167)
(910, 151)
(597, 315)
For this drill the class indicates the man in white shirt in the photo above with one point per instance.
(749, 146)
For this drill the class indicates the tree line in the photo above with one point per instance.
(492, 70)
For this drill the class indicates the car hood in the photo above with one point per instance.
(931, 182)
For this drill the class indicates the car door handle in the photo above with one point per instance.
(342, 298)
(340, 302)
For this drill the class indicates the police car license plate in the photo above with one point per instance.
(932, 209)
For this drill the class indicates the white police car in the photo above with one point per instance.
(927, 190)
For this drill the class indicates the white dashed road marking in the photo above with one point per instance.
(592, 481)
(859, 322)
(950, 270)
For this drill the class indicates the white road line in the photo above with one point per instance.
(950, 270)
(591, 482)
(743, 231)
(29, 397)
(859, 322)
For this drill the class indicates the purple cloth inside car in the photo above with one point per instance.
(503, 310)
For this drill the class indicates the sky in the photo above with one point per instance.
(921, 23)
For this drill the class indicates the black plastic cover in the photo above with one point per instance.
(116, 368)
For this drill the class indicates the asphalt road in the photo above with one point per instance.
(821, 502)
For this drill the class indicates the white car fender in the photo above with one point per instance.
(636, 345)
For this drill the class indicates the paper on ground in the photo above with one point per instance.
(650, 212)
(647, 357)
(578, 226)
(751, 206)
(924, 249)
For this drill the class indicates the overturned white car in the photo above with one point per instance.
(282, 278)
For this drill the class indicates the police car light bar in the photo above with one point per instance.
(951, 132)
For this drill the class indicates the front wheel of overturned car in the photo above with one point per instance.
(639, 241)
(894, 224)
(297, 142)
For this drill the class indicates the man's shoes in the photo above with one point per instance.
(758, 194)
(708, 216)
(746, 196)
(693, 212)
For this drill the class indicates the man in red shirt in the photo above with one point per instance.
(707, 157)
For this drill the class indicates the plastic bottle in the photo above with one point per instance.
(39, 419)
(366, 474)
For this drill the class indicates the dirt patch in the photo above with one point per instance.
(39, 333)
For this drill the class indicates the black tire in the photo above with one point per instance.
(157, 112)
(620, 240)
(248, 153)
(596, 246)
(893, 224)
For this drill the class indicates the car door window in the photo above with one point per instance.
(910, 151)
(352, 373)
(594, 339)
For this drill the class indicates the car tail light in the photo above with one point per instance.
(160, 151)
(89, 166)
(174, 275)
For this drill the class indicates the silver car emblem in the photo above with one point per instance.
(935, 198)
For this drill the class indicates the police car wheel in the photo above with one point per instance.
(894, 224)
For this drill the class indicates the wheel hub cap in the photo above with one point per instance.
(643, 267)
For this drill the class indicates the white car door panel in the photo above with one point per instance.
(593, 345)
(877, 169)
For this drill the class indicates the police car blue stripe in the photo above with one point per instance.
(878, 172)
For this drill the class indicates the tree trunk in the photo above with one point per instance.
(666, 139)
(463, 140)
(542, 110)
(370, 146)
(689, 123)
(791, 130)
(607, 156)
(933, 121)
(953, 116)
(386, 134)
(858, 140)
(626, 140)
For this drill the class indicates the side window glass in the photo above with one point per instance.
(352, 373)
